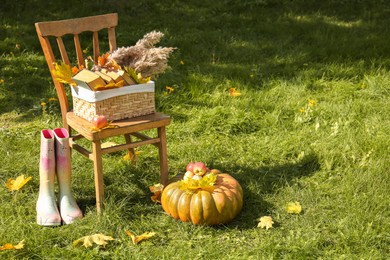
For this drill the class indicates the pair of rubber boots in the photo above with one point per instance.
(55, 161)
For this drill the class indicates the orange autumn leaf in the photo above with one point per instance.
(103, 60)
(77, 69)
(156, 189)
(138, 239)
(234, 93)
(18, 183)
(9, 246)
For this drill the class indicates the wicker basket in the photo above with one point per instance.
(114, 104)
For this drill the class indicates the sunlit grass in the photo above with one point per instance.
(310, 125)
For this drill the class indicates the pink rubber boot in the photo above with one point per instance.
(69, 209)
(47, 211)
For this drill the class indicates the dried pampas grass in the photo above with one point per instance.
(143, 57)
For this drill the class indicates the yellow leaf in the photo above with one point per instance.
(111, 85)
(294, 207)
(137, 77)
(63, 73)
(156, 189)
(18, 183)
(169, 89)
(265, 222)
(234, 93)
(128, 157)
(205, 183)
(138, 239)
(88, 241)
(9, 246)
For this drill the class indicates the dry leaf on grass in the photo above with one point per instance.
(18, 183)
(9, 246)
(138, 239)
(294, 207)
(265, 222)
(156, 189)
(88, 241)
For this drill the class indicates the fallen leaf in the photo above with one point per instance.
(138, 239)
(18, 183)
(156, 189)
(88, 241)
(294, 208)
(234, 93)
(9, 246)
(127, 156)
(265, 222)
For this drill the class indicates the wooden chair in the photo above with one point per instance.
(127, 128)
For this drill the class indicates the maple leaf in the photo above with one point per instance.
(136, 76)
(9, 246)
(265, 222)
(156, 189)
(138, 239)
(88, 241)
(206, 183)
(18, 183)
(103, 59)
(294, 208)
(233, 92)
(111, 85)
(63, 73)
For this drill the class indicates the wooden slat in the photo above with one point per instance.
(126, 126)
(80, 149)
(112, 39)
(79, 52)
(62, 49)
(78, 25)
(96, 49)
(129, 146)
(142, 137)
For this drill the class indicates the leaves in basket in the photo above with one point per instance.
(63, 73)
(111, 85)
(137, 77)
(104, 61)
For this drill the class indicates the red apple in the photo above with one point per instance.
(190, 167)
(99, 121)
(199, 168)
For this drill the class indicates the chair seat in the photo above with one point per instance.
(125, 126)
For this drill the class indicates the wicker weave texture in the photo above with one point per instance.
(116, 108)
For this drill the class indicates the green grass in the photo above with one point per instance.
(332, 157)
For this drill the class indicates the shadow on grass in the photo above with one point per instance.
(257, 183)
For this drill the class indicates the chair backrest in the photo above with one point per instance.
(58, 29)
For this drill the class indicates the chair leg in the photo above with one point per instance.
(98, 172)
(133, 158)
(162, 149)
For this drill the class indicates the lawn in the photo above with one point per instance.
(311, 126)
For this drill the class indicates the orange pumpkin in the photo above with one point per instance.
(218, 204)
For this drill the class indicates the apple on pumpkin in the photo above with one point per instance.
(99, 121)
(188, 175)
(199, 168)
(190, 167)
